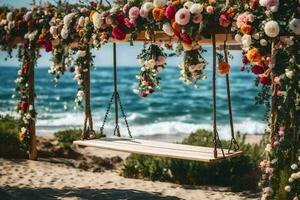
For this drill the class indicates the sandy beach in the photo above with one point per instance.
(50, 178)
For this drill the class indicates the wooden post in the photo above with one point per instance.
(117, 130)
(87, 87)
(214, 94)
(31, 96)
(273, 99)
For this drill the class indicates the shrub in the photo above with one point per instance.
(10, 145)
(66, 137)
(238, 173)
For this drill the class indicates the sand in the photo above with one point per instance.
(24, 179)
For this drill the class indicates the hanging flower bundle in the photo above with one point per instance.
(152, 60)
(192, 68)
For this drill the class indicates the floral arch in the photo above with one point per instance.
(267, 31)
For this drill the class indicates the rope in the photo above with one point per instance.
(216, 139)
(233, 142)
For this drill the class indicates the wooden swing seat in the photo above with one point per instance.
(161, 149)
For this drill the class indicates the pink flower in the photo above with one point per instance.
(183, 16)
(170, 11)
(125, 8)
(108, 20)
(244, 18)
(143, 13)
(279, 93)
(281, 131)
(264, 80)
(47, 45)
(134, 12)
(161, 60)
(269, 170)
(264, 163)
(224, 20)
(118, 33)
(197, 18)
(277, 80)
(210, 9)
(27, 16)
(185, 38)
(275, 144)
(128, 23)
(83, 10)
(271, 3)
(257, 69)
(264, 176)
(242, 68)
(144, 94)
(25, 69)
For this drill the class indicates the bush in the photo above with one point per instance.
(238, 173)
(10, 145)
(66, 137)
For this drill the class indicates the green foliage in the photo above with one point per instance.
(283, 180)
(238, 173)
(66, 137)
(10, 146)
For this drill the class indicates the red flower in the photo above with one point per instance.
(265, 80)
(257, 69)
(242, 68)
(25, 69)
(151, 91)
(144, 94)
(26, 43)
(185, 38)
(170, 12)
(245, 60)
(120, 19)
(62, 68)
(23, 105)
(93, 4)
(224, 20)
(118, 33)
(47, 45)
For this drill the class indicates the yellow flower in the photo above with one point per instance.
(21, 136)
(253, 55)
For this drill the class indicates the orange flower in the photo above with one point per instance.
(223, 68)
(211, 1)
(21, 136)
(246, 29)
(230, 12)
(158, 14)
(253, 55)
(187, 47)
(176, 26)
(91, 15)
(176, 2)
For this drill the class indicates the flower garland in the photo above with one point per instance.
(152, 60)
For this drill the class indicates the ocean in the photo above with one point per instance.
(174, 109)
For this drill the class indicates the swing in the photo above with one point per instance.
(164, 149)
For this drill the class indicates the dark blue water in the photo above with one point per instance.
(176, 108)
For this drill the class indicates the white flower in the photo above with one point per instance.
(168, 29)
(272, 28)
(188, 4)
(246, 41)
(68, 19)
(289, 73)
(159, 3)
(9, 16)
(64, 33)
(148, 6)
(196, 8)
(31, 36)
(81, 53)
(287, 188)
(263, 2)
(23, 130)
(81, 21)
(86, 21)
(97, 20)
(294, 176)
(268, 148)
(80, 95)
(238, 38)
(298, 158)
(53, 30)
(294, 25)
(114, 9)
(291, 180)
(30, 107)
(294, 166)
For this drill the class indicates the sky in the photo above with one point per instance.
(126, 54)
